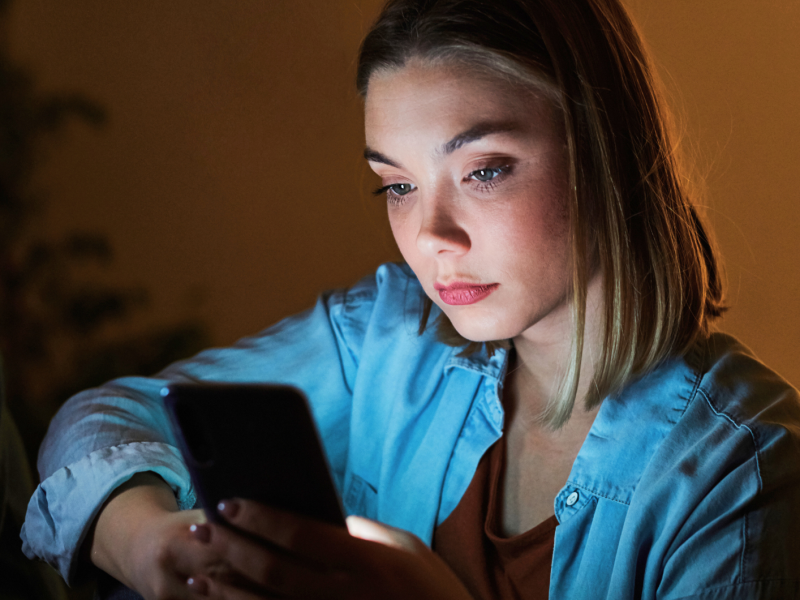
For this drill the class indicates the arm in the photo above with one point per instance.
(101, 438)
(122, 526)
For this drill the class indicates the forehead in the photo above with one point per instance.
(439, 99)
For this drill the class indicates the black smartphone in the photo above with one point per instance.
(252, 441)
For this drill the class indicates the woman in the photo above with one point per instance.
(536, 393)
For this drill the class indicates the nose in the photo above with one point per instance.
(440, 231)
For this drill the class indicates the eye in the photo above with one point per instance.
(395, 191)
(400, 189)
(486, 174)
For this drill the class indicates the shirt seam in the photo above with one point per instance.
(597, 494)
(736, 425)
(743, 565)
(698, 379)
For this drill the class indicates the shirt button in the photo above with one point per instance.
(572, 498)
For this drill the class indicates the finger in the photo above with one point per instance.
(165, 576)
(218, 589)
(190, 551)
(175, 549)
(172, 585)
(197, 515)
(366, 529)
(320, 543)
(300, 535)
(272, 569)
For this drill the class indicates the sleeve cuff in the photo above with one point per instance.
(66, 503)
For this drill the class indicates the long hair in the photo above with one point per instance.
(630, 213)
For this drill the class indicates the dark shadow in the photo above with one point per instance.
(60, 331)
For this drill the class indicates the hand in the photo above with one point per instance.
(142, 539)
(289, 556)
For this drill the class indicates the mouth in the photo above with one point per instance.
(461, 293)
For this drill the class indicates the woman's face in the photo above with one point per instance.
(475, 172)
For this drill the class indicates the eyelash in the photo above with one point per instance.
(482, 186)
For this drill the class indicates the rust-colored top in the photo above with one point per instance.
(492, 566)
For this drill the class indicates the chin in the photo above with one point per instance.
(482, 330)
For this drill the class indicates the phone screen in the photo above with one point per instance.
(253, 441)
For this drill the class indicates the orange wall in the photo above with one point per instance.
(732, 69)
(230, 167)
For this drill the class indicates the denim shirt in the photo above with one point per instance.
(687, 486)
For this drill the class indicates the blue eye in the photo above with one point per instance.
(394, 189)
(485, 174)
(401, 189)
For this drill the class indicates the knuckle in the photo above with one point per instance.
(162, 552)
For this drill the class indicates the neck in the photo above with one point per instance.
(542, 355)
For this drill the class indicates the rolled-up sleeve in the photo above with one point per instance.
(102, 437)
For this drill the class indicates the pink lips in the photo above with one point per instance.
(461, 293)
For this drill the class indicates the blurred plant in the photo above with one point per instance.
(56, 324)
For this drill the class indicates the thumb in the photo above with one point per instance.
(373, 531)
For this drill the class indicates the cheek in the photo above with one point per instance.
(535, 237)
(548, 214)
(404, 234)
(533, 226)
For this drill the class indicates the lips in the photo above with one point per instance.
(461, 293)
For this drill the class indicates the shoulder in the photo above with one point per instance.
(718, 388)
(739, 385)
(731, 466)
(720, 401)
(749, 397)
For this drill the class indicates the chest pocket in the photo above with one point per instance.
(360, 498)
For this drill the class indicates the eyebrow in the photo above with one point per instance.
(477, 132)
(473, 134)
(373, 156)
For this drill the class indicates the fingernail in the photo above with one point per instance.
(198, 586)
(200, 532)
(228, 508)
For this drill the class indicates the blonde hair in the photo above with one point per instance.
(631, 216)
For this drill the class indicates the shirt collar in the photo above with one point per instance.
(630, 426)
(493, 367)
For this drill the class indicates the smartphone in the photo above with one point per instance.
(257, 442)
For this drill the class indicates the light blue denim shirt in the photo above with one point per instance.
(687, 486)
